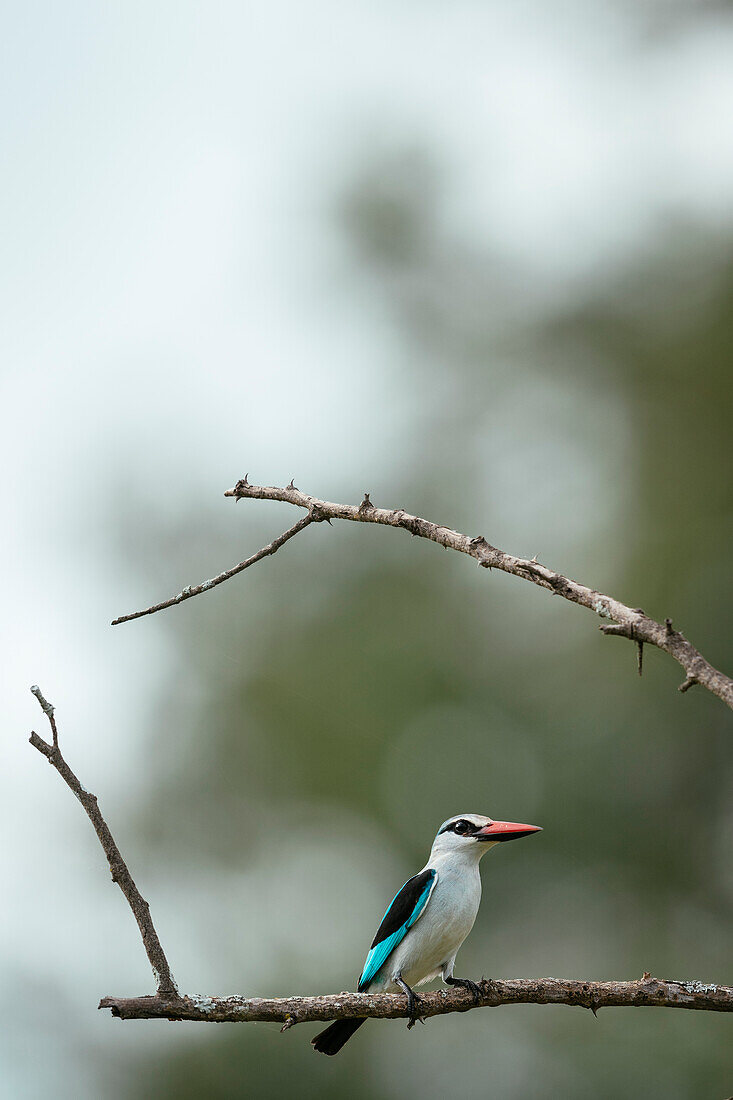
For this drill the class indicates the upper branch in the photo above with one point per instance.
(117, 865)
(646, 992)
(627, 622)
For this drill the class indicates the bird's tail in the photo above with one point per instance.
(333, 1038)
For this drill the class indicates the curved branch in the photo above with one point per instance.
(117, 865)
(627, 622)
(647, 992)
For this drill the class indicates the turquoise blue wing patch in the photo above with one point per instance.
(403, 911)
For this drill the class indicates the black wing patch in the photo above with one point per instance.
(404, 905)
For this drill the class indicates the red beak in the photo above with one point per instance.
(506, 830)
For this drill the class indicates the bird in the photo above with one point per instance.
(428, 920)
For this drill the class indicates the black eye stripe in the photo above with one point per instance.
(462, 827)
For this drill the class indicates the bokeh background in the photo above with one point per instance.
(476, 259)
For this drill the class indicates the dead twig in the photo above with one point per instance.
(118, 867)
(206, 586)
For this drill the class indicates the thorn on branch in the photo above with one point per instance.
(688, 683)
(290, 1021)
(558, 584)
(480, 543)
(239, 488)
(639, 644)
(626, 630)
(366, 504)
(668, 628)
(292, 485)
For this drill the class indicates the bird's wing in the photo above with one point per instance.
(402, 913)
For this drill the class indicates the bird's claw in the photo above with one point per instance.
(475, 991)
(466, 983)
(413, 1002)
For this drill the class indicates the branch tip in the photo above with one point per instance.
(45, 706)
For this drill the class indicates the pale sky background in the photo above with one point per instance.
(178, 308)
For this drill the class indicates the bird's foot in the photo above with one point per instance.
(413, 1002)
(466, 983)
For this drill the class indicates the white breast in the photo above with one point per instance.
(432, 942)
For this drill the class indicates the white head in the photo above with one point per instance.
(473, 834)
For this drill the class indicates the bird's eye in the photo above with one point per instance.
(462, 827)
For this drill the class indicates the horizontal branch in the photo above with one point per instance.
(647, 992)
(117, 865)
(627, 622)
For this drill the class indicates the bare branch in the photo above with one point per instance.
(624, 621)
(647, 992)
(205, 586)
(117, 865)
